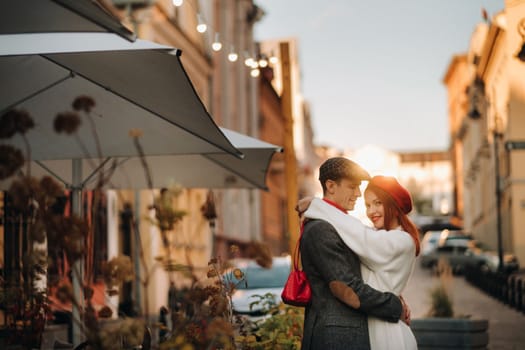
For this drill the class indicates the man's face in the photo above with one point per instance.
(344, 193)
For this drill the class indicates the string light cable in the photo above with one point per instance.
(250, 60)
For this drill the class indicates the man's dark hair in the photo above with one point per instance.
(338, 168)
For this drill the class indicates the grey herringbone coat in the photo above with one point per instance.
(330, 324)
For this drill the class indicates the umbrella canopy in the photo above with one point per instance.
(47, 16)
(206, 170)
(135, 85)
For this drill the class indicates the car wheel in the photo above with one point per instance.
(457, 270)
(484, 268)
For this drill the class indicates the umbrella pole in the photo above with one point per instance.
(78, 267)
(136, 256)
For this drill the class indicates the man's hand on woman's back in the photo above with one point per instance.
(405, 315)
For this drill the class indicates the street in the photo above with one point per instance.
(506, 325)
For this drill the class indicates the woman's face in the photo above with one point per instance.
(375, 209)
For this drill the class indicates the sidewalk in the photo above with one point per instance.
(506, 325)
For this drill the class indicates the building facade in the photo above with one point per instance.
(230, 94)
(486, 108)
(274, 201)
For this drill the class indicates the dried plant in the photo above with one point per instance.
(441, 301)
(34, 201)
(201, 314)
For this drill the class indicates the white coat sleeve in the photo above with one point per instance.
(375, 248)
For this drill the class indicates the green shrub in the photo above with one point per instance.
(282, 330)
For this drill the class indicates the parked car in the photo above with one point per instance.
(432, 239)
(438, 226)
(259, 281)
(457, 256)
(428, 245)
(490, 260)
(460, 250)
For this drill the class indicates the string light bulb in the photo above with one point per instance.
(251, 62)
(248, 61)
(216, 45)
(232, 56)
(263, 62)
(201, 27)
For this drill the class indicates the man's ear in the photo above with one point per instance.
(330, 186)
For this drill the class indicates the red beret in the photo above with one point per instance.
(398, 193)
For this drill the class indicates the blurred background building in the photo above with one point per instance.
(486, 97)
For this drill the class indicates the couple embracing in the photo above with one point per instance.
(356, 272)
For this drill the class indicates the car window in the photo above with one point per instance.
(456, 241)
(461, 249)
(431, 236)
(259, 277)
(445, 249)
(480, 245)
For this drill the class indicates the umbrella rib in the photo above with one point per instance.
(108, 171)
(94, 172)
(67, 184)
(30, 96)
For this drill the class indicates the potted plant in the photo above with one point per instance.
(442, 328)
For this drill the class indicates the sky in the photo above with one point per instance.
(372, 70)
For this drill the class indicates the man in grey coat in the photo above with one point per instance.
(336, 318)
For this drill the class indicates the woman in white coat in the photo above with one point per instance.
(387, 252)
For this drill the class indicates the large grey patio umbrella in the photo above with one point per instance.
(181, 142)
(135, 85)
(47, 16)
(217, 170)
